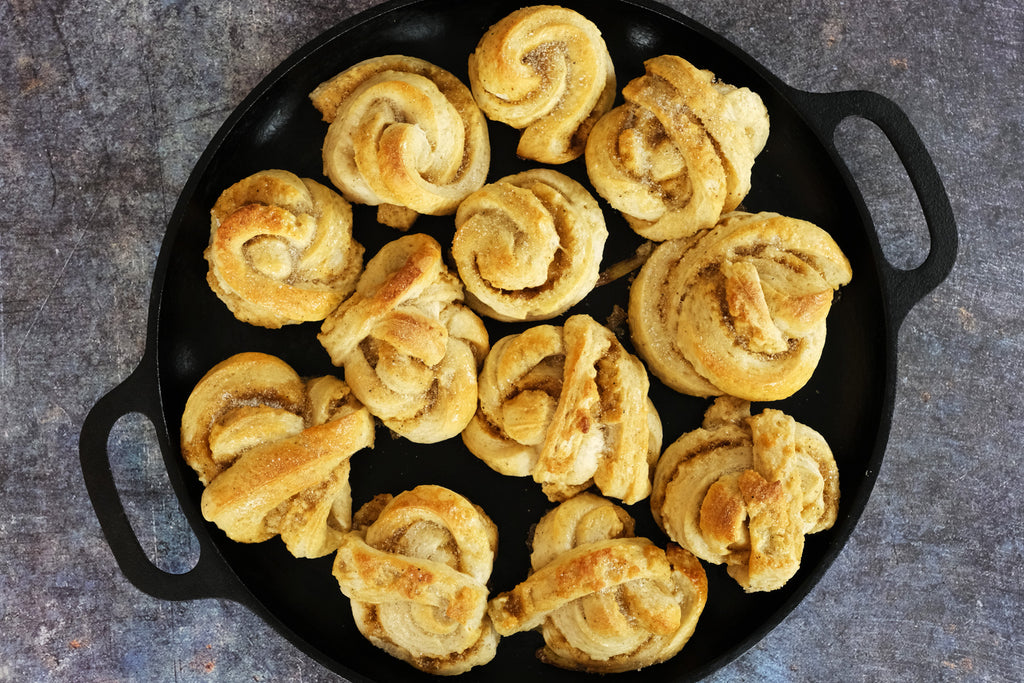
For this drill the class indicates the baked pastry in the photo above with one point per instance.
(409, 345)
(568, 406)
(544, 70)
(281, 249)
(604, 600)
(273, 452)
(744, 491)
(404, 135)
(529, 246)
(415, 567)
(739, 309)
(679, 153)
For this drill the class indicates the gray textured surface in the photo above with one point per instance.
(104, 108)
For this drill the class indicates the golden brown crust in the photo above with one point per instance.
(281, 250)
(744, 491)
(404, 135)
(544, 70)
(739, 309)
(568, 406)
(415, 568)
(273, 452)
(604, 600)
(409, 346)
(679, 152)
(529, 246)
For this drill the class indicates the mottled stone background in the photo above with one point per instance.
(105, 107)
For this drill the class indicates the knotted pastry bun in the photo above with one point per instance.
(273, 452)
(409, 346)
(529, 246)
(544, 70)
(416, 567)
(679, 153)
(281, 249)
(739, 309)
(604, 600)
(404, 135)
(568, 406)
(744, 491)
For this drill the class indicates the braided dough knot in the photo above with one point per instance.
(281, 250)
(405, 135)
(744, 491)
(739, 309)
(679, 152)
(529, 246)
(409, 346)
(546, 71)
(567, 405)
(416, 568)
(273, 452)
(604, 600)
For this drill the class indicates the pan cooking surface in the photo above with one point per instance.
(277, 127)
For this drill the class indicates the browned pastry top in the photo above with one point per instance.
(679, 152)
(739, 309)
(744, 491)
(604, 600)
(281, 249)
(273, 451)
(546, 71)
(529, 246)
(568, 406)
(416, 567)
(409, 346)
(405, 135)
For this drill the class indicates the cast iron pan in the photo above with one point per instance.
(849, 399)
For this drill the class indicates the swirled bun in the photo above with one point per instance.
(739, 309)
(281, 250)
(409, 345)
(544, 70)
(568, 406)
(604, 600)
(529, 246)
(679, 153)
(404, 135)
(744, 491)
(415, 568)
(273, 452)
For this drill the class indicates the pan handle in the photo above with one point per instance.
(210, 577)
(904, 287)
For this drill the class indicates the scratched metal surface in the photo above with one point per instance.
(105, 107)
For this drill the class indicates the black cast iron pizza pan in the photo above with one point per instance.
(799, 173)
